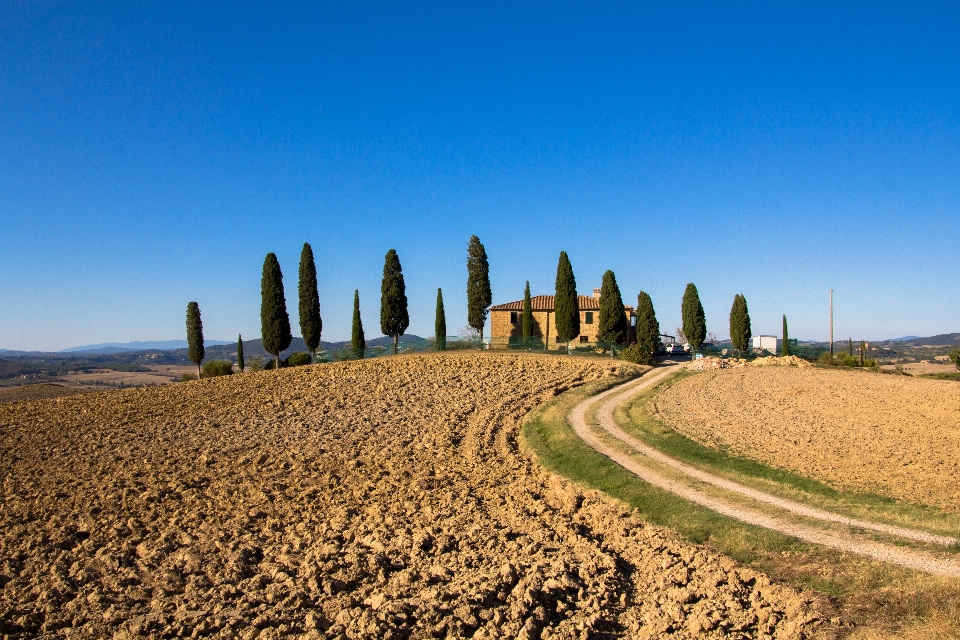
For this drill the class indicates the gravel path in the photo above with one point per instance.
(609, 400)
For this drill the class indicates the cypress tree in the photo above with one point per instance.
(240, 363)
(310, 323)
(612, 325)
(850, 347)
(648, 329)
(527, 320)
(194, 335)
(694, 320)
(785, 347)
(479, 296)
(440, 327)
(394, 318)
(566, 305)
(357, 341)
(274, 321)
(740, 332)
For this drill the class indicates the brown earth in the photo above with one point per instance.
(377, 499)
(37, 392)
(894, 435)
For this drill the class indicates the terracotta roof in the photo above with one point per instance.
(546, 303)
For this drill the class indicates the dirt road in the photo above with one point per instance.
(683, 484)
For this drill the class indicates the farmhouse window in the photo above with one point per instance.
(513, 317)
(589, 317)
(584, 339)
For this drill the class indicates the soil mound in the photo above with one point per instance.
(377, 499)
(894, 435)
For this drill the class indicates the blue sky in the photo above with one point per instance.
(151, 155)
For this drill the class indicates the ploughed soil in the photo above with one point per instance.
(37, 392)
(894, 435)
(377, 499)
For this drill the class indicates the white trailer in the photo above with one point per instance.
(765, 343)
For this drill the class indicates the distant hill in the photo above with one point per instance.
(254, 348)
(121, 347)
(903, 339)
(944, 339)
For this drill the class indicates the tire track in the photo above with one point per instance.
(609, 400)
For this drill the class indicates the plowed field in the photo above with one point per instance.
(894, 435)
(379, 499)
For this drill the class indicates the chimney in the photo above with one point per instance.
(596, 293)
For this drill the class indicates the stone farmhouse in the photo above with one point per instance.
(506, 321)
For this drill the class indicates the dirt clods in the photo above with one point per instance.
(379, 499)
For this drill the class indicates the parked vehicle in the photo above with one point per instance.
(673, 349)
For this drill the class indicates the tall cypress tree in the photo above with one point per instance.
(394, 318)
(310, 323)
(612, 325)
(694, 320)
(740, 332)
(850, 346)
(194, 335)
(240, 363)
(440, 327)
(785, 347)
(648, 329)
(479, 296)
(566, 305)
(274, 321)
(357, 340)
(527, 320)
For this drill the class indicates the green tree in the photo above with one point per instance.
(310, 322)
(240, 363)
(850, 346)
(394, 318)
(648, 329)
(274, 321)
(566, 305)
(440, 327)
(955, 357)
(785, 347)
(357, 340)
(612, 326)
(694, 320)
(740, 332)
(479, 296)
(194, 335)
(527, 321)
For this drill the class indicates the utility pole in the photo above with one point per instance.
(831, 323)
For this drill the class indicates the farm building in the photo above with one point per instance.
(765, 343)
(506, 320)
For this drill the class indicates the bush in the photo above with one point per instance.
(637, 354)
(214, 368)
(955, 357)
(825, 358)
(299, 359)
(187, 377)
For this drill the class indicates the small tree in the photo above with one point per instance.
(566, 304)
(850, 347)
(479, 296)
(311, 324)
(955, 357)
(194, 335)
(694, 320)
(394, 318)
(274, 321)
(440, 328)
(527, 320)
(240, 363)
(740, 332)
(357, 341)
(648, 329)
(785, 347)
(612, 325)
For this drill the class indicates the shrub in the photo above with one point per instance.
(637, 354)
(214, 368)
(955, 357)
(299, 359)
(825, 358)
(187, 377)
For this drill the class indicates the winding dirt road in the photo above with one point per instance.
(683, 486)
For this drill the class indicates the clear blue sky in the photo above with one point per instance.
(151, 156)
